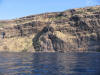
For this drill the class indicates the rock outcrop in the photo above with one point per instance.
(71, 30)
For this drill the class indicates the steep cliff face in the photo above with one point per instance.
(71, 30)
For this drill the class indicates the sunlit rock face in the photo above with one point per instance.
(72, 30)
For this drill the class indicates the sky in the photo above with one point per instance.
(11, 9)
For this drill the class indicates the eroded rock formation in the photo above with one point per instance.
(71, 30)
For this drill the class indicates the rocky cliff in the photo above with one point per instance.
(72, 30)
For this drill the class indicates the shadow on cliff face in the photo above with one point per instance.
(41, 40)
(46, 41)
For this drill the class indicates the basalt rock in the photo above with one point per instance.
(72, 30)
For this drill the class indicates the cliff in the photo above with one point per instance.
(71, 30)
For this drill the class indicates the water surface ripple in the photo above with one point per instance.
(49, 63)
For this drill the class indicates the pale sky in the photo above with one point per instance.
(10, 9)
